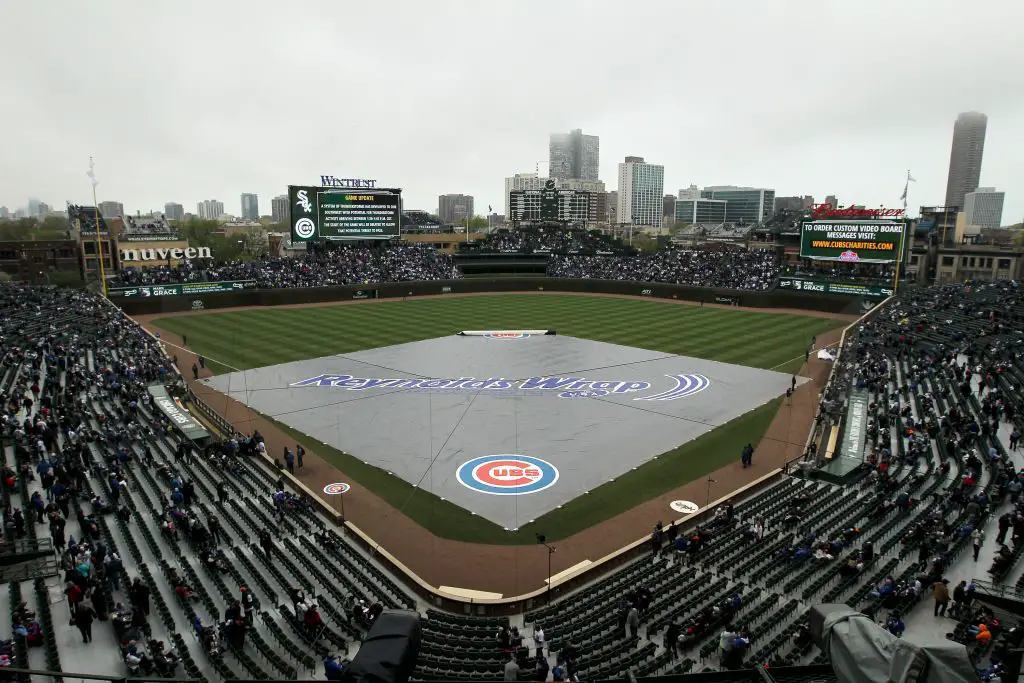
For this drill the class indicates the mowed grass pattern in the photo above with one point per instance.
(260, 337)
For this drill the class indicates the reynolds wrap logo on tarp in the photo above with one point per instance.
(681, 386)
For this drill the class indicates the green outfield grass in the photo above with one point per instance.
(260, 337)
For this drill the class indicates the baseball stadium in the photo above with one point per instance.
(526, 454)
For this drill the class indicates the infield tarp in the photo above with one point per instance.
(505, 396)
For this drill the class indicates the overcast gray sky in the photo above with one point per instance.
(188, 100)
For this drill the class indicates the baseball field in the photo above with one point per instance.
(253, 339)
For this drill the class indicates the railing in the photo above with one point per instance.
(20, 546)
(11, 672)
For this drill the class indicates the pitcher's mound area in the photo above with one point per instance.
(507, 427)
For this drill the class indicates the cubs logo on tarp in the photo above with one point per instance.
(506, 335)
(849, 255)
(507, 475)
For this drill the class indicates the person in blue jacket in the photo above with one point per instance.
(332, 668)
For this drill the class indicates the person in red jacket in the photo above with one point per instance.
(312, 619)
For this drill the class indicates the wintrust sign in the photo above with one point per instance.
(160, 254)
(331, 181)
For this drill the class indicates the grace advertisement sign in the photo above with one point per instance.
(852, 241)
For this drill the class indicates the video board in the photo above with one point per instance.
(344, 213)
(852, 241)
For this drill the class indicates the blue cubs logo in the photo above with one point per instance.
(506, 335)
(507, 475)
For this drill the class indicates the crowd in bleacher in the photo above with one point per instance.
(160, 537)
(319, 268)
(546, 241)
(878, 273)
(731, 268)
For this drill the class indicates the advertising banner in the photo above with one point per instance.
(856, 426)
(826, 287)
(184, 289)
(177, 414)
(851, 241)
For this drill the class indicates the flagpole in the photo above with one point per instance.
(99, 242)
(903, 233)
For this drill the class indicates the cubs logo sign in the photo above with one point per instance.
(506, 335)
(507, 475)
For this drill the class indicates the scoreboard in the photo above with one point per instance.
(551, 205)
(344, 213)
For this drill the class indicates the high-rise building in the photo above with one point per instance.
(641, 192)
(34, 207)
(691, 208)
(250, 207)
(965, 157)
(831, 199)
(174, 211)
(574, 155)
(612, 206)
(454, 208)
(668, 213)
(210, 209)
(743, 204)
(984, 207)
(111, 209)
(5, 213)
(279, 208)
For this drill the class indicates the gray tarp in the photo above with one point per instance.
(861, 650)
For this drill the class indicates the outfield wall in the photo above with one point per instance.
(775, 298)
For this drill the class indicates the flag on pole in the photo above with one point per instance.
(489, 209)
(906, 188)
(92, 173)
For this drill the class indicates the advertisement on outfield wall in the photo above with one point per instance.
(852, 241)
(186, 289)
(826, 287)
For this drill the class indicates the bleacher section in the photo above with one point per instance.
(85, 217)
(708, 232)
(421, 222)
(546, 241)
(142, 227)
(193, 526)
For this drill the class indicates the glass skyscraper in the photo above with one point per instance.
(574, 155)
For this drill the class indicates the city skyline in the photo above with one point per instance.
(793, 137)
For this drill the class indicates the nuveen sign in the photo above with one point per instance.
(161, 254)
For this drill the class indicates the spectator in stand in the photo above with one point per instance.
(726, 268)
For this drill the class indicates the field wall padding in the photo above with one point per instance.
(392, 290)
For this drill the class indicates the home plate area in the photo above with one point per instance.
(506, 425)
